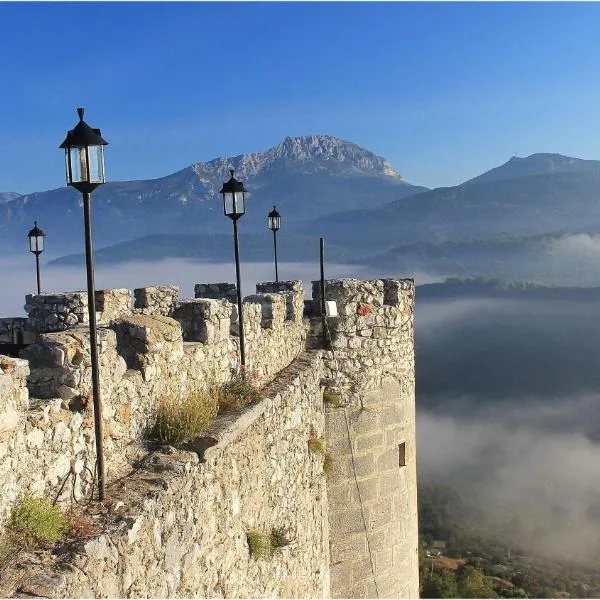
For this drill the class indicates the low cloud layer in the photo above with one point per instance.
(17, 277)
(508, 414)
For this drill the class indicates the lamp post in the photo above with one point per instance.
(234, 207)
(84, 157)
(274, 220)
(36, 246)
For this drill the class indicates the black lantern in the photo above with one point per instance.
(274, 221)
(234, 206)
(234, 198)
(36, 246)
(84, 157)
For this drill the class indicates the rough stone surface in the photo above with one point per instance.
(181, 528)
(216, 291)
(179, 525)
(56, 312)
(156, 300)
(373, 499)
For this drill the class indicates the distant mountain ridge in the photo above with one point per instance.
(8, 196)
(306, 177)
(537, 164)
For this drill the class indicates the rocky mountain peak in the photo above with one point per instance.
(302, 149)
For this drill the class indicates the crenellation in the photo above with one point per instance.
(204, 320)
(216, 291)
(156, 300)
(113, 303)
(56, 312)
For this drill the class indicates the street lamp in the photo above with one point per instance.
(36, 246)
(234, 207)
(84, 161)
(274, 220)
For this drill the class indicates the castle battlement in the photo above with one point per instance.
(153, 345)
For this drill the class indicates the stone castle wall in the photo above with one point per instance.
(143, 359)
(371, 434)
(153, 345)
(180, 529)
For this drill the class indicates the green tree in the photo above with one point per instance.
(472, 583)
(440, 584)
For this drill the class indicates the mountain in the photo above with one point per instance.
(515, 207)
(8, 196)
(218, 247)
(306, 177)
(537, 164)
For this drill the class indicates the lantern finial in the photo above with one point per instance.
(80, 113)
(231, 172)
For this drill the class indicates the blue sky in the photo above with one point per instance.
(443, 90)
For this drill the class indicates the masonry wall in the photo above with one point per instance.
(48, 433)
(371, 435)
(180, 529)
(180, 526)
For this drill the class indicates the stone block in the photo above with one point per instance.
(204, 320)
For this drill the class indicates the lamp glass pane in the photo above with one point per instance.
(67, 163)
(36, 243)
(228, 203)
(78, 160)
(96, 155)
(240, 209)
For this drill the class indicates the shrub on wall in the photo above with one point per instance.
(240, 392)
(35, 522)
(179, 421)
(279, 538)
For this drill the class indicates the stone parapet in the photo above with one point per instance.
(13, 330)
(292, 291)
(204, 320)
(113, 303)
(181, 525)
(156, 300)
(182, 528)
(216, 291)
(56, 312)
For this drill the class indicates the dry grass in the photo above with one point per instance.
(259, 544)
(316, 445)
(179, 421)
(80, 524)
(237, 394)
(327, 464)
(279, 538)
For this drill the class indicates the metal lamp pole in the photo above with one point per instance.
(36, 246)
(274, 223)
(234, 207)
(84, 152)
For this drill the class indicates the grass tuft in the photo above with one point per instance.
(327, 463)
(279, 539)
(35, 522)
(179, 421)
(332, 399)
(240, 392)
(259, 544)
(316, 445)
